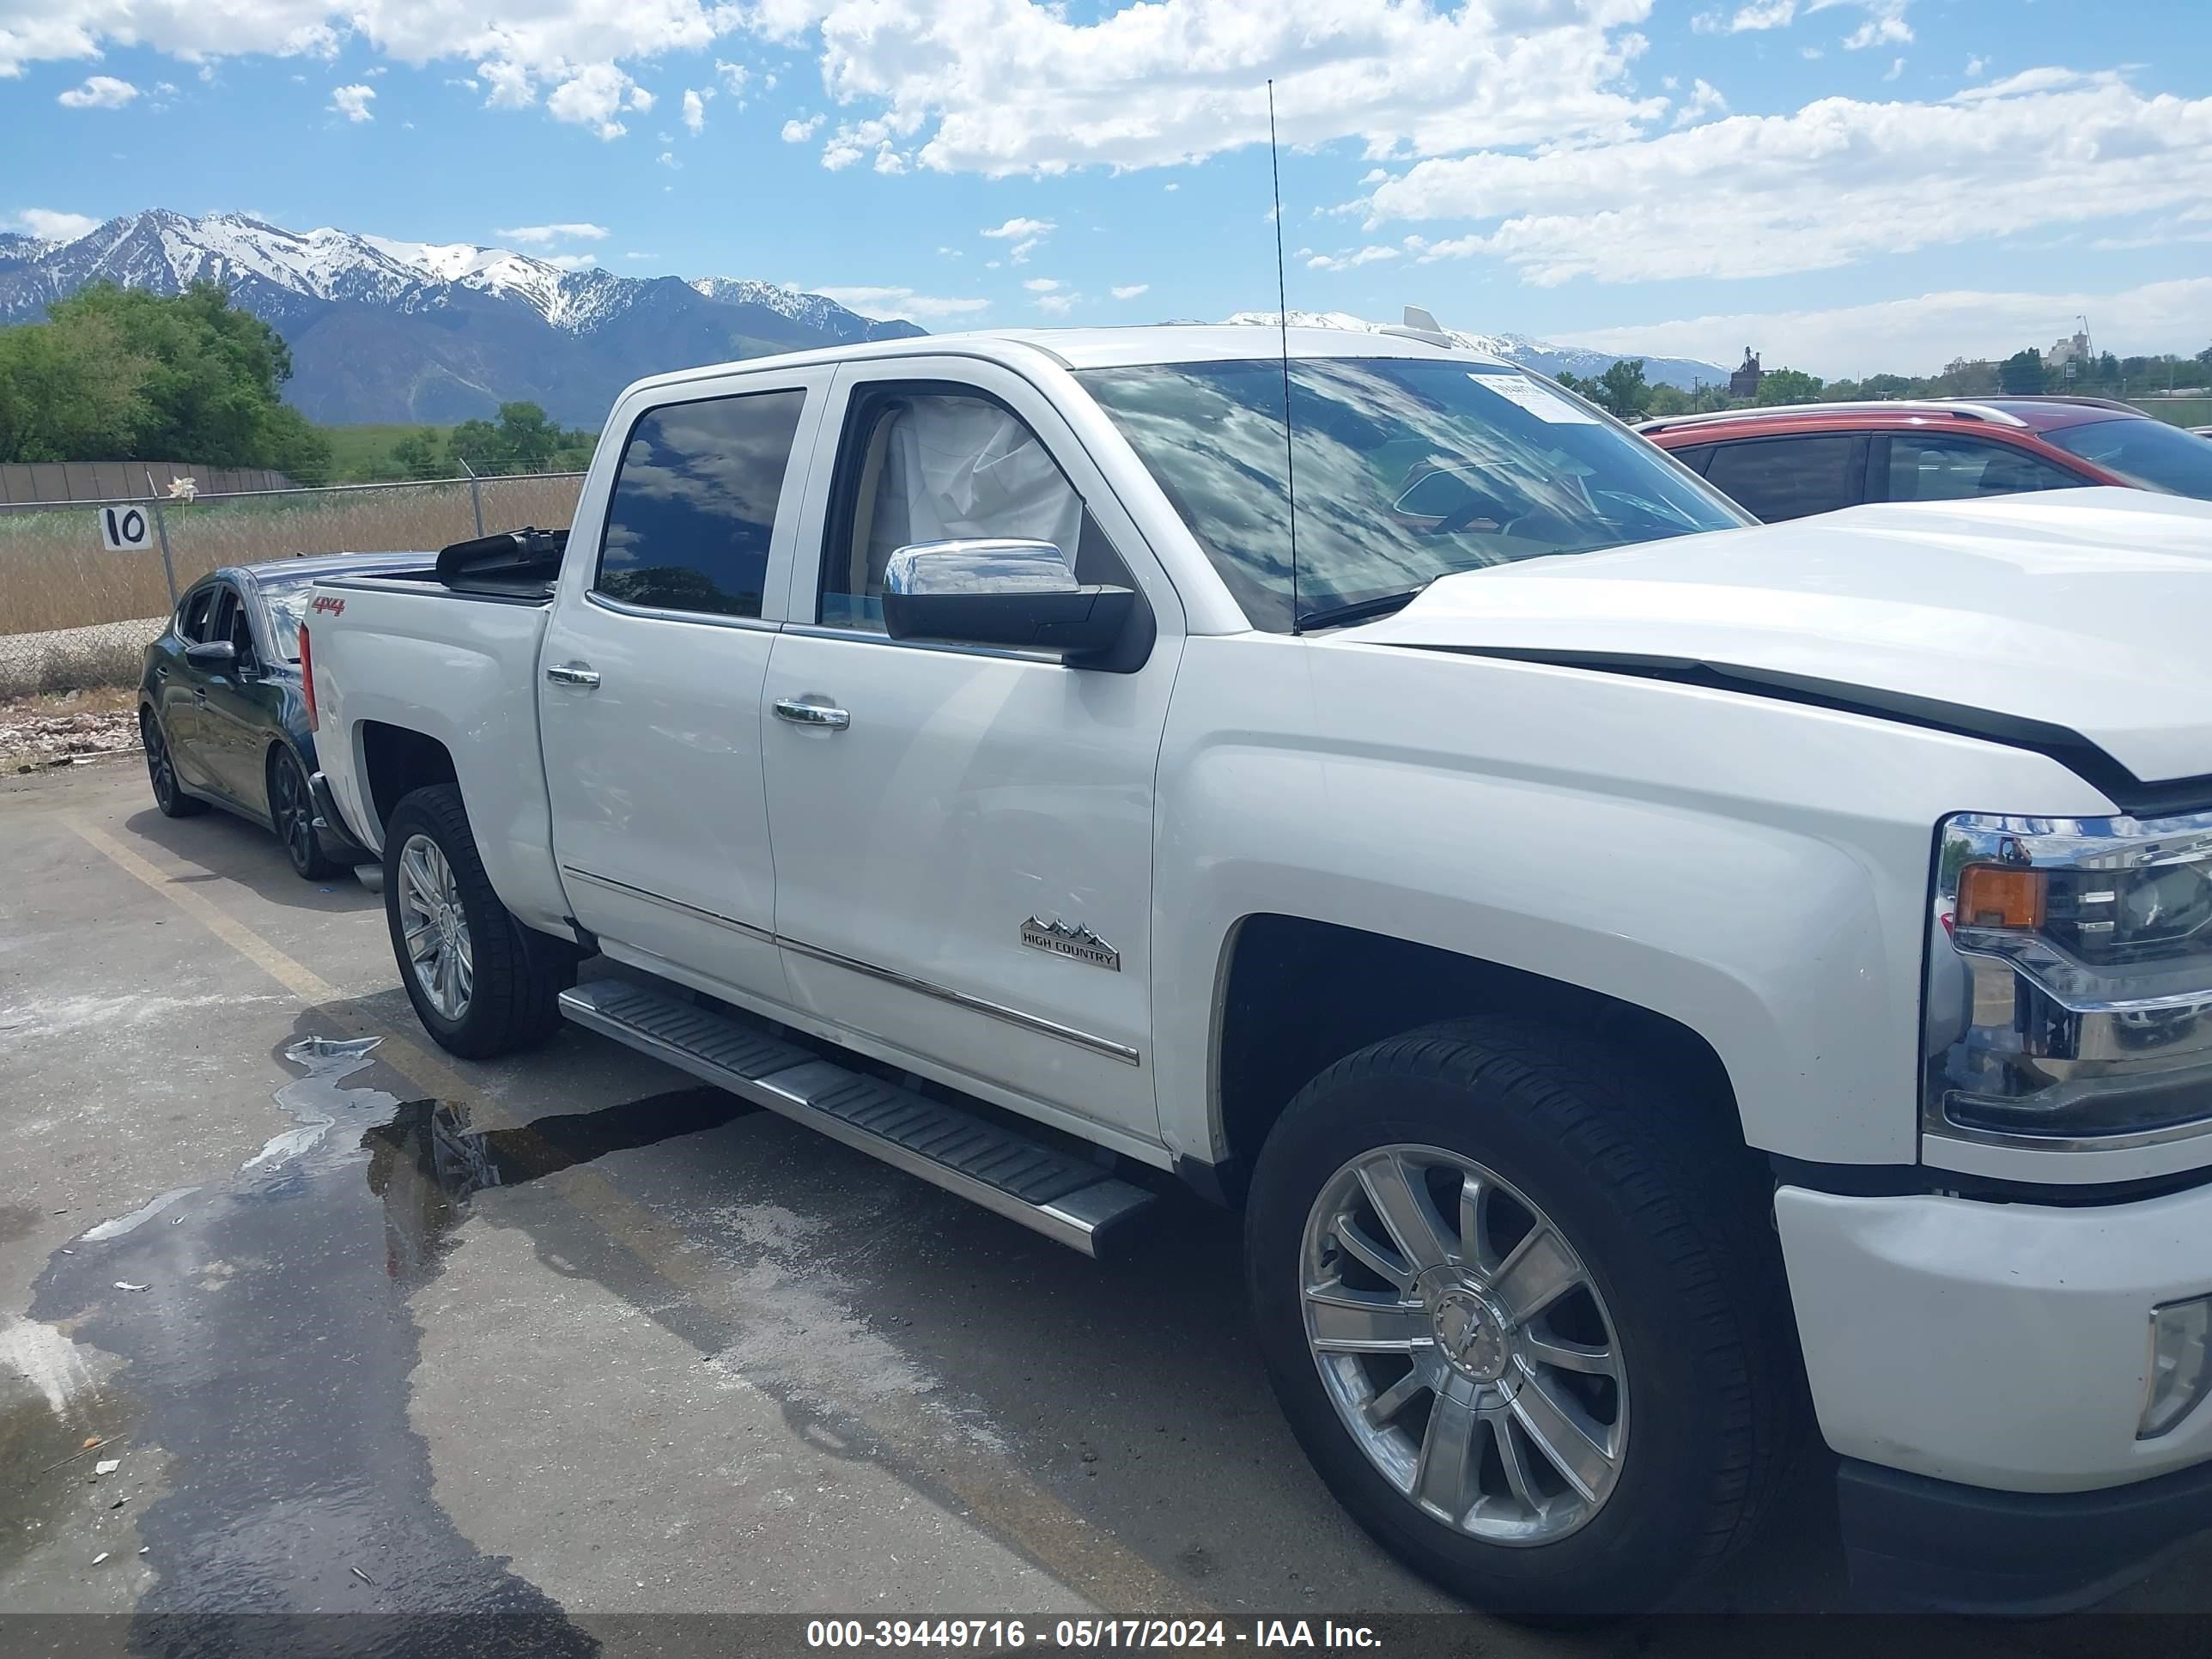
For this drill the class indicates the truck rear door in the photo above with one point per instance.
(963, 859)
(651, 676)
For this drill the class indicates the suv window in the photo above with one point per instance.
(693, 504)
(1928, 466)
(933, 464)
(192, 615)
(1775, 479)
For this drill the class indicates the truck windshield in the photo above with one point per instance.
(2149, 452)
(1407, 468)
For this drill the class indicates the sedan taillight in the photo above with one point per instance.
(308, 679)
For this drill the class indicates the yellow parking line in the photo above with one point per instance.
(1087, 1560)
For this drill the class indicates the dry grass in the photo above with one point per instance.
(54, 574)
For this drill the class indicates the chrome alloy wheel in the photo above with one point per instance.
(1464, 1344)
(436, 928)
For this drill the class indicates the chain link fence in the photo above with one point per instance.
(74, 614)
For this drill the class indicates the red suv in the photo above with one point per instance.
(1786, 462)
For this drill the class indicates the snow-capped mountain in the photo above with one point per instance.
(1543, 355)
(386, 330)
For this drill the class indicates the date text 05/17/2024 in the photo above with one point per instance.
(991, 1634)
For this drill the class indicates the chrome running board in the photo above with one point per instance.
(1062, 1196)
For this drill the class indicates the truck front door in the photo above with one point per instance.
(651, 675)
(963, 836)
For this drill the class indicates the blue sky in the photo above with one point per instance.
(1848, 184)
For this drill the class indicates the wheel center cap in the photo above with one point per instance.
(1472, 1333)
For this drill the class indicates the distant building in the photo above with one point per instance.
(1744, 383)
(2071, 355)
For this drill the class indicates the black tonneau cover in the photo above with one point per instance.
(517, 563)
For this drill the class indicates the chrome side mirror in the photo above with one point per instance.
(1018, 594)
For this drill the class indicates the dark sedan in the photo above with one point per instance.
(221, 709)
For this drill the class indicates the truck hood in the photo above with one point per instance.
(2086, 611)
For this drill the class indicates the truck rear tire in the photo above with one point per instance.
(481, 983)
(1527, 1321)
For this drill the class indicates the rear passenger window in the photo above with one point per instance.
(1697, 456)
(693, 504)
(1932, 467)
(1774, 478)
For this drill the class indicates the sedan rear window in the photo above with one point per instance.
(2146, 453)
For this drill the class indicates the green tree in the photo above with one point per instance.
(2023, 372)
(181, 377)
(524, 439)
(1789, 385)
(1623, 389)
(69, 394)
(420, 455)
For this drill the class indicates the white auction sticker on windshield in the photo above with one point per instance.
(1541, 401)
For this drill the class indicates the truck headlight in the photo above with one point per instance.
(2070, 992)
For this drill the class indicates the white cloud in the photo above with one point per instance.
(49, 225)
(1170, 189)
(900, 302)
(1885, 24)
(1704, 101)
(1130, 291)
(510, 83)
(1057, 305)
(352, 102)
(694, 109)
(595, 96)
(1014, 86)
(667, 159)
(1918, 336)
(539, 235)
(1016, 230)
(1838, 181)
(1365, 256)
(796, 131)
(1759, 15)
(1041, 284)
(1896, 67)
(635, 255)
(1975, 65)
(572, 261)
(734, 76)
(98, 91)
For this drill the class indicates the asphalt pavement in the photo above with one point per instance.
(564, 1353)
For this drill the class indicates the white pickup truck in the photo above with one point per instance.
(1654, 983)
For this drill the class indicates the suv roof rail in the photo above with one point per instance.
(2058, 398)
(1959, 409)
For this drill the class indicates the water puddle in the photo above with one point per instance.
(269, 1357)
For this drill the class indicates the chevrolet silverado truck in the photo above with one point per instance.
(1657, 986)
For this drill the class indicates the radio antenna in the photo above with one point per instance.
(1283, 324)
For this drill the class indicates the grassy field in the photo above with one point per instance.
(54, 574)
(355, 451)
(2178, 411)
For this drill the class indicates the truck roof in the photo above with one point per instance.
(1112, 348)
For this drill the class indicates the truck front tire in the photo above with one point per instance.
(481, 983)
(1524, 1316)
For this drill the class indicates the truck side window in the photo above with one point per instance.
(930, 465)
(1777, 478)
(693, 504)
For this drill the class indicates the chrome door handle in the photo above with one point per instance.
(811, 714)
(572, 673)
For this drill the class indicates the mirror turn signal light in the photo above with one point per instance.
(2000, 896)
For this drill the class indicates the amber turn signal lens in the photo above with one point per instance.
(1994, 896)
